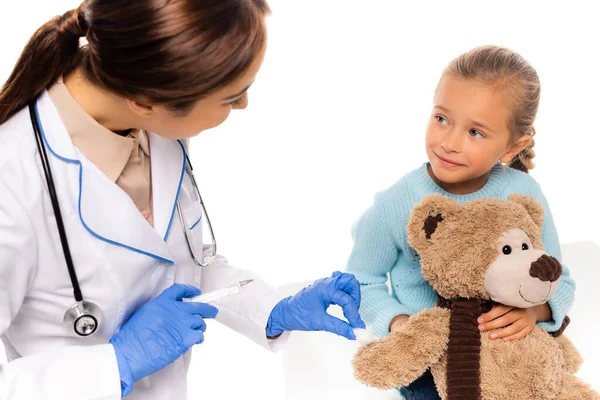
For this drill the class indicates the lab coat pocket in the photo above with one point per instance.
(192, 216)
(192, 213)
(189, 200)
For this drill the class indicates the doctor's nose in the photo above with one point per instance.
(453, 141)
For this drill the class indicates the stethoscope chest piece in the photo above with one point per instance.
(83, 318)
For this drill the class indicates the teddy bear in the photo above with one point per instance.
(474, 255)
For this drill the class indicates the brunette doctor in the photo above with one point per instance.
(101, 220)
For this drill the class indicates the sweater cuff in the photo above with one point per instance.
(381, 325)
(558, 309)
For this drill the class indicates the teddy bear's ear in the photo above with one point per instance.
(427, 217)
(533, 208)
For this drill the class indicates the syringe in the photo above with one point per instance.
(218, 294)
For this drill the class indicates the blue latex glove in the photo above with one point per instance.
(307, 309)
(160, 332)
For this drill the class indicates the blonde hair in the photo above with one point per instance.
(516, 79)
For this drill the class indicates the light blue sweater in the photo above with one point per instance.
(381, 248)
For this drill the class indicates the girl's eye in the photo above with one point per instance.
(476, 133)
(441, 120)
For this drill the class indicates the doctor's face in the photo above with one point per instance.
(207, 113)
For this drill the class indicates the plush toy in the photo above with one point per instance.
(473, 255)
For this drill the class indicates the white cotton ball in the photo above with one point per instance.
(363, 336)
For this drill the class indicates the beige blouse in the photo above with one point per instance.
(123, 159)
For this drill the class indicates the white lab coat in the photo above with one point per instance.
(121, 262)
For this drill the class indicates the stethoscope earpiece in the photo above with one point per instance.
(209, 260)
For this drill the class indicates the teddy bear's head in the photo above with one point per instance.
(489, 249)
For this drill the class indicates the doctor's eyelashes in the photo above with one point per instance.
(239, 101)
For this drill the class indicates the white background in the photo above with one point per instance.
(339, 112)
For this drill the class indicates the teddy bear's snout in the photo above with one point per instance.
(546, 269)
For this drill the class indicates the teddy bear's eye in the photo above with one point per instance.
(525, 246)
(507, 250)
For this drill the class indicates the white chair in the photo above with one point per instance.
(318, 365)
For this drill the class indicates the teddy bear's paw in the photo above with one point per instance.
(571, 356)
(377, 365)
(575, 389)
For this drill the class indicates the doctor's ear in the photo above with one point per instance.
(144, 110)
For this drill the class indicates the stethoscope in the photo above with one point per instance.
(84, 317)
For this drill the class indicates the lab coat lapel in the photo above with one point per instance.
(168, 169)
(110, 214)
(104, 209)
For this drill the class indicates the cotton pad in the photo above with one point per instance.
(363, 336)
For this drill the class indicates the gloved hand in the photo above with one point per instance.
(307, 309)
(160, 332)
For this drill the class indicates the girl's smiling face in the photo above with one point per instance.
(468, 133)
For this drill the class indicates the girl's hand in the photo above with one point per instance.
(516, 322)
(397, 322)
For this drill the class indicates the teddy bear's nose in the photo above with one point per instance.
(546, 269)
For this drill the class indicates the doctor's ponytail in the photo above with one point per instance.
(167, 52)
(50, 53)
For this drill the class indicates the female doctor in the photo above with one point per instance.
(100, 219)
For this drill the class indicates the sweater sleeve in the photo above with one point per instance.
(561, 302)
(373, 256)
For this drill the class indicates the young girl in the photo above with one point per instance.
(479, 143)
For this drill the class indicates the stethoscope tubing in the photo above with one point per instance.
(54, 199)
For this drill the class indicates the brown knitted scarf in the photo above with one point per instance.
(464, 346)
